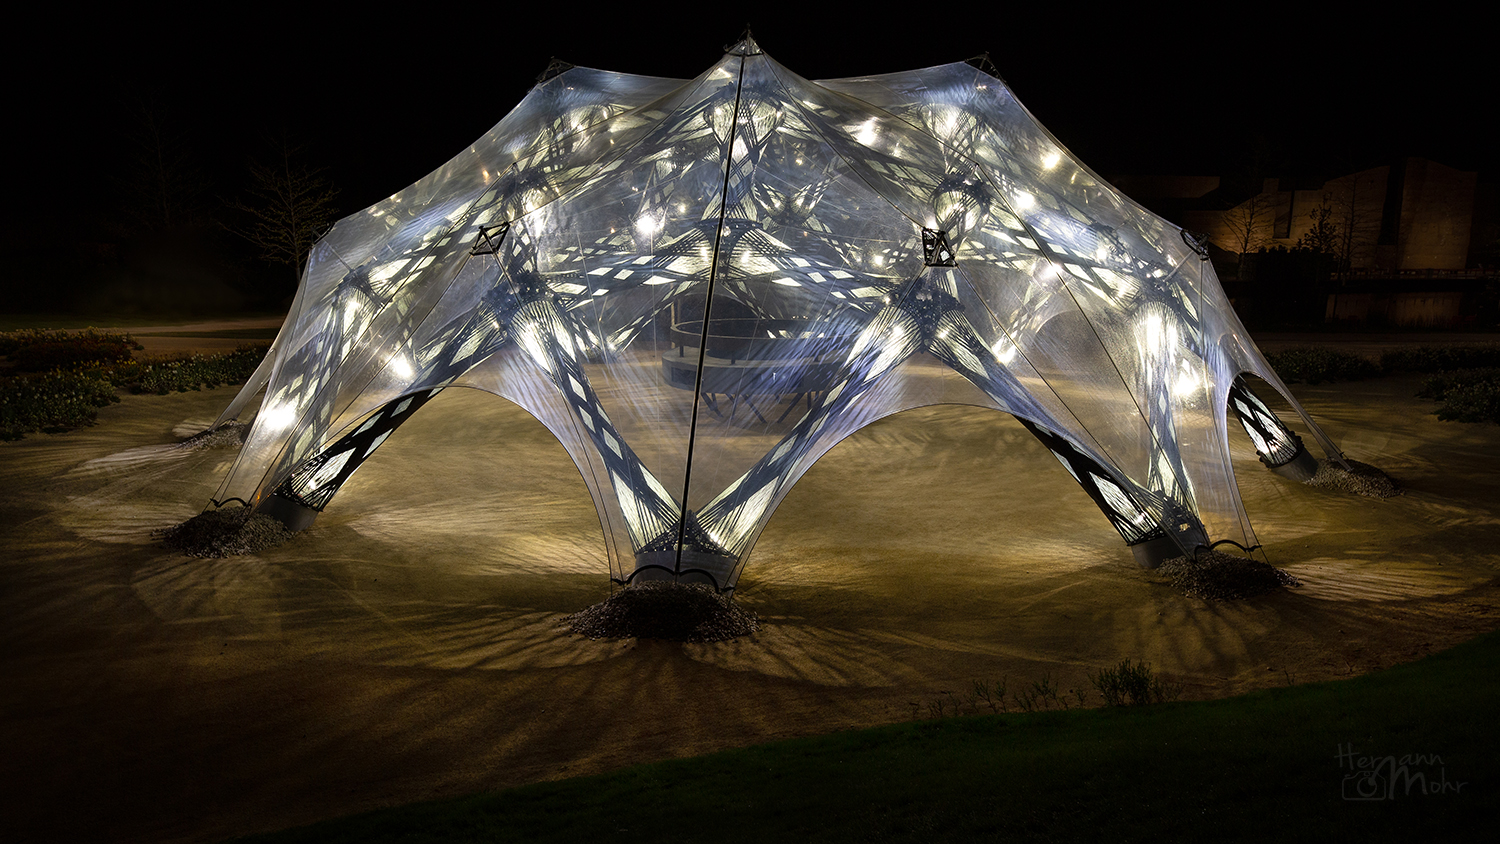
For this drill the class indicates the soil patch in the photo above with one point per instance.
(1359, 478)
(675, 612)
(225, 533)
(1215, 576)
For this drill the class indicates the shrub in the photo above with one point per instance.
(67, 397)
(1465, 395)
(193, 373)
(57, 401)
(1315, 365)
(44, 357)
(1132, 684)
(1439, 385)
(1438, 358)
(10, 341)
(1478, 402)
(1470, 395)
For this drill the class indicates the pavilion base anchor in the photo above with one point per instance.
(1151, 553)
(693, 566)
(1177, 538)
(1300, 468)
(679, 612)
(294, 515)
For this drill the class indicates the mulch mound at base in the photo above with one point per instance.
(230, 434)
(228, 532)
(1359, 478)
(662, 610)
(1213, 576)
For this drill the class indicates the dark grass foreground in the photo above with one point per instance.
(226, 532)
(663, 610)
(1307, 763)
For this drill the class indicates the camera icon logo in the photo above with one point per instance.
(1366, 785)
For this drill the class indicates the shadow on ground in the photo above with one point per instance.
(410, 645)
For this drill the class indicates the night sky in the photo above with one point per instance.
(380, 104)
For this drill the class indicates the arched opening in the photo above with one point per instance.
(484, 496)
(1279, 448)
(1278, 504)
(931, 508)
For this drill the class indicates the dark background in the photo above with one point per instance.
(380, 99)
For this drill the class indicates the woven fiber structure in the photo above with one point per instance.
(700, 286)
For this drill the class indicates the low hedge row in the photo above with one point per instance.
(190, 373)
(1315, 365)
(1440, 358)
(83, 369)
(87, 368)
(56, 401)
(1466, 395)
(12, 342)
(1465, 383)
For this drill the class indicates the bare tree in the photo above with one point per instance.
(289, 204)
(1359, 221)
(1249, 224)
(1346, 223)
(162, 182)
(1325, 235)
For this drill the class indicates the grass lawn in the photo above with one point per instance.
(1258, 767)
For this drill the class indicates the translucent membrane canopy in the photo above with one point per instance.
(701, 286)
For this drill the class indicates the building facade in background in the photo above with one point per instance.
(1400, 243)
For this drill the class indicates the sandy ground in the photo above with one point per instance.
(409, 645)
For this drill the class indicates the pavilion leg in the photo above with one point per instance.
(299, 499)
(1152, 539)
(1151, 553)
(1278, 448)
(1155, 533)
(294, 514)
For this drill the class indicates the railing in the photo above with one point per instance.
(1482, 272)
